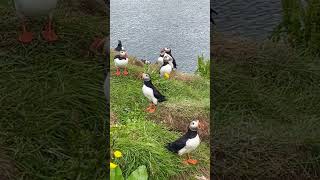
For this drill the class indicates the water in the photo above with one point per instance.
(247, 18)
(146, 26)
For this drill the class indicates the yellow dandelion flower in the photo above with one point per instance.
(117, 154)
(166, 75)
(112, 165)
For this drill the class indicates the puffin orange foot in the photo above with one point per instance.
(192, 161)
(125, 72)
(152, 110)
(26, 37)
(148, 108)
(118, 72)
(48, 33)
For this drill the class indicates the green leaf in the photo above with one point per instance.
(116, 174)
(140, 173)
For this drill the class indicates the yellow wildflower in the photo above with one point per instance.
(112, 165)
(117, 154)
(166, 75)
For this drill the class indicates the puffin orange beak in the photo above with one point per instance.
(141, 75)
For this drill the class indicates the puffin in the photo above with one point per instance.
(27, 8)
(151, 93)
(160, 58)
(166, 68)
(121, 61)
(145, 61)
(187, 143)
(174, 64)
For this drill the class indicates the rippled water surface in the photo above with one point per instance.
(247, 18)
(145, 26)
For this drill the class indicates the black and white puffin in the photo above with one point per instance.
(151, 93)
(119, 47)
(187, 143)
(166, 68)
(144, 61)
(168, 51)
(121, 61)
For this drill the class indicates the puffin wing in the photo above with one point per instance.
(177, 145)
(174, 63)
(158, 95)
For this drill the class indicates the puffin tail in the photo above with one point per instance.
(168, 146)
(162, 98)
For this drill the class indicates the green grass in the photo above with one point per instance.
(266, 114)
(203, 68)
(142, 137)
(300, 26)
(53, 119)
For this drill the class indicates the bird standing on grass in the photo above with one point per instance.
(187, 143)
(166, 68)
(172, 60)
(25, 8)
(121, 61)
(151, 93)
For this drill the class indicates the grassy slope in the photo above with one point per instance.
(142, 137)
(266, 116)
(52, 115)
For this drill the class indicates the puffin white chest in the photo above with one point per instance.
(35, 7)
(121, 63)
(165, 69)
(191, 145)
(160, 60)
(148, 93)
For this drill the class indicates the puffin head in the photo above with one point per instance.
(146, 77)
(166, 58)
(162, 51)
(194, 125)
(167, 50)
(123, 53)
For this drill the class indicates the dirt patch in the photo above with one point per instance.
(186, 77)
(179, 117)
(113, 119)
(228, 47)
